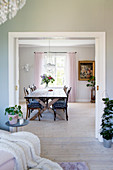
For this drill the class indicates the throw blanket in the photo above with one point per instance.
(25, 147)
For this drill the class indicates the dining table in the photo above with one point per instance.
(46, 97)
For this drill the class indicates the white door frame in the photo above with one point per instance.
(100, 60)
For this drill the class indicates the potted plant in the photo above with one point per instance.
(91, 83)
(47, 79)
(14, 113)
(107, 123)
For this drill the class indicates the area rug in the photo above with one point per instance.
(48, 116)
(73, 165)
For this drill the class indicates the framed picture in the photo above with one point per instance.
(86, 69)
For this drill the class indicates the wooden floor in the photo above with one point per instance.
(73, 140)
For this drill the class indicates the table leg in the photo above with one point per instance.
(52, 102)
(46, 106)
(41, 102)
(35, 116)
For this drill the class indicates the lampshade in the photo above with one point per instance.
(50, 64)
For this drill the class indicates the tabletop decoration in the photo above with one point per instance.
(50, 90)
(47, 79)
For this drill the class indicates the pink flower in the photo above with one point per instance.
(49, 77)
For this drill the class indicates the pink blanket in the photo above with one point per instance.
(7, 161)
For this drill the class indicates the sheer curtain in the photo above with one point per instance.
(38, 63)
(71, 75)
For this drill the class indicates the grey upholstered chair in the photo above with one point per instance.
(61, 104)
(32, 105)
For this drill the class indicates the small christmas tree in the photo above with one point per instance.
(107, 120)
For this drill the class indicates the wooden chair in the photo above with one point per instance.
(31, 88)
(25, 92)
(34, 87)
(61, 104)
(65, 88)
(32, 105)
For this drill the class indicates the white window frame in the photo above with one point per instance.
(55, 76)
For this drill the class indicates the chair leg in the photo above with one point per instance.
(66, 114)
(27, 113)
(39, 114)
(54, 115)
(31, 110)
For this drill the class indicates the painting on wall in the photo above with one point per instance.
(86, 69)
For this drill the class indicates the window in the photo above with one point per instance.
(54, 65)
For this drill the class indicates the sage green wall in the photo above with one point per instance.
(57, 16)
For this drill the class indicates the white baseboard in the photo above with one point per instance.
(82, 100)
(22, 100)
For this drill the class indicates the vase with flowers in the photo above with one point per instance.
(47, 79)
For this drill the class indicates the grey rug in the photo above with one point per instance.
(49, 116)
(73, 165)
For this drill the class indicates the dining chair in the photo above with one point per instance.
(34, 87)
(31, 88)
(65, 88)
(61, 104)
(32, 105)
(25, 92)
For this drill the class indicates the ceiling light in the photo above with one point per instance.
(9, 8)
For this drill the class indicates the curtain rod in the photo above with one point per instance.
(58, 52)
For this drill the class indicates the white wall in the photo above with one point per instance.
(25, 78)
(26, 56)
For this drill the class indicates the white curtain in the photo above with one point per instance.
(71, 75)
(38, 63)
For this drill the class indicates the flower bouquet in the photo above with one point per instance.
(47, 79)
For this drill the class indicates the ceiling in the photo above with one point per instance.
(55, 42)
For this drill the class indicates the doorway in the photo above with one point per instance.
(99, 60)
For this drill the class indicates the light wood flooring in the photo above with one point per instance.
(73, 140)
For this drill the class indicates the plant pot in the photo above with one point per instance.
(21, 121)
(107, 143)
(14, 119)
(93, 95)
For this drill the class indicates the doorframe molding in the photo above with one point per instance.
(100, 53)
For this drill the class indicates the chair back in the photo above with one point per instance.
(26, 91)
(34, 87)
(68, 92)
(31, 88)
(65, 88)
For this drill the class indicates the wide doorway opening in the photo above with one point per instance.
(97, 41)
